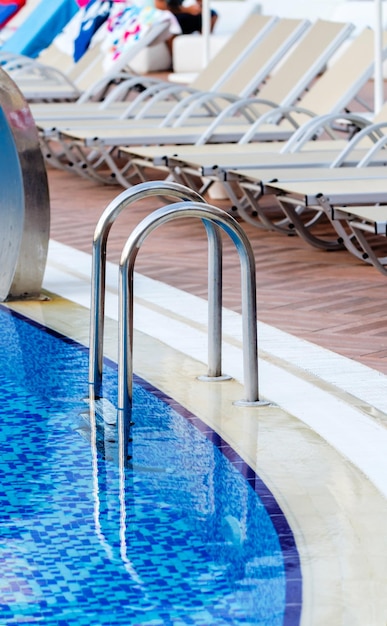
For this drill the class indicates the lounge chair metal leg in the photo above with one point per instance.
(346, 234)
(270, 218)
(380, 263)
(303, 226)
(242, 204)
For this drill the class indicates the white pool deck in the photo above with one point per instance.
(320, 444)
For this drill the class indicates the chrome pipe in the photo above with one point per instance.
(209, 214)
(98, 275)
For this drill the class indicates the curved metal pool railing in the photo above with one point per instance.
(210, 215)
(214, 220)
(97, 312)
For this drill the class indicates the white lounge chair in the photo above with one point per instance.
(305, 196)
(110, 134)
(42, 82)
(263, 49)
(89, 69)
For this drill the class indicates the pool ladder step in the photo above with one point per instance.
(98, 427)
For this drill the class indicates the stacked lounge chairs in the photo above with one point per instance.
(92, 149)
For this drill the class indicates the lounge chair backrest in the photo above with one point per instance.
(85, 65)
(264, 56)
(254, 29)
(342, 81)
(54, 57)
(257, 28)
(89, 69)
(305, 61)
(93, 64)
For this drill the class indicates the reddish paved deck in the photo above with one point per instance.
(330, 298)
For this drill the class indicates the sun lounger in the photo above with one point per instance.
(305, 61)
(302, 198)
(251, 33)
(295, 74)
(92, 73)
(202, 174)
(257, 28)
(305, 203)
(266, 48)
(42, 82)
(365, 148)
(109, 135)
(262, 46)
(200, 166)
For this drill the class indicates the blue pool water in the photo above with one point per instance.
(187, 534)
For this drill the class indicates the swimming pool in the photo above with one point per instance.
(188, 534)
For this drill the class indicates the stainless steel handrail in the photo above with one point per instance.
(214, 220)
(97, 308)
(209, 214)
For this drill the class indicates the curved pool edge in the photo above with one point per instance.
(310, 462)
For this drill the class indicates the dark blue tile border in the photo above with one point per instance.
(286, 538)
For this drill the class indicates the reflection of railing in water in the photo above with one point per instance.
(214, 219)
(123, 477)
(24, 203)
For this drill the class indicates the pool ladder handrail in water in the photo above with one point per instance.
(214, 219)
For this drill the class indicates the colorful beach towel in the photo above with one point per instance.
(9, 8)
(93, 16)
(129, 24)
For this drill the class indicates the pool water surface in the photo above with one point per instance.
(187, 534)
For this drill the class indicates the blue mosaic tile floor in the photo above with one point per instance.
(187, 534)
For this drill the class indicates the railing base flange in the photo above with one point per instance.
(252, 403)
(214, 379)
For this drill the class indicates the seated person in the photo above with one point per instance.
(189, 16)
